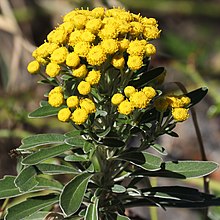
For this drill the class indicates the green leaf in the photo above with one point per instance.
(37, 216)
(118, 189)
(73, 133)
(159, 149)
(76, 158)
(92, 211)
(144, 160)
(45, 153)
(26, 179)
(30, 206)
(191, 169)
(54, 169)
(41, 139)
(197, 95)
(112, 142)
(45, 111)
(181, 169)
(73, 193)
(75, 142)
(146, 77)
(8, 188)
(50, 184)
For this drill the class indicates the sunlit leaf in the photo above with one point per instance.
(92, 211)
(73, 193)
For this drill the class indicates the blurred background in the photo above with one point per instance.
(189, 48)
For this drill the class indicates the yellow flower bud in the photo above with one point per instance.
(129, 90)
(52, 69)
(33, 67)
(93, 77)
(180, 114)
(125, 107)
(64, 114)
(118, 61)
(72, 102)
(84, 88)
(88, 105)
(79, 116)
(135, 62)
(117, 98)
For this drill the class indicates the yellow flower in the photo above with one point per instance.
(55, 99)
(123, 26)
(136, 48)
(150, 50)
(64, 114)
(178, 101)
(41, 60)
(161, 104)
(117, 98)
(129, 90)
(75, 37)
(109, 31)
(96, 56)
(79, 21)
(33, 67)
(72, 60)
(84, 88)
(180, 114)
(135, 62)
(68, 26)
(72, 101)
(82, 48)
(58, 36)
(87, 36)
(94, 25)
(79, 116)
(139, 99)
(125, 107)
(88, 105)
(56, 89)
(52, 69)
(123, 44)
(185, 100)
(98, 12)
(118, 61)
(42, 51)
(93, 77)
(149, 92)
(52, 47)
(59, 55)
(151, 32)
(110, 46)
(136, 28)
(148, 21)
(81, 71)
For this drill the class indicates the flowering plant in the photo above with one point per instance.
(98, 64)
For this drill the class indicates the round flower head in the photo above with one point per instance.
(96, 56)
(125, 107)
(72, 60)
(58, 36)
(93, 77)
(129, 90)
(42, 51)
(88, 105)
(72, 102)
(59, 55)
(55, 99)
(56, 89)
(136, 28)
(64, 114)
(135, 62)
(151, 32)
(110, 46)
(180, 114)
(79, 21)
(117, 98)
(149, 92)
(118, 61)
(82, 48)
(161, 104)
(136, 48)
(98, 12)
(68, 26)
(94, 25)
(52, 69)
(185, 100)
(178, 102)
(81, 71)
(87, 36)
(123, 44)
(109, 31)
(84, 88)
(150, 50)
(79, 116)
(139, 99)
(33, 67)
(75, 37)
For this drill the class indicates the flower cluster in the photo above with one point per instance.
(178, 105)
(86, 43)
(134, 99)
